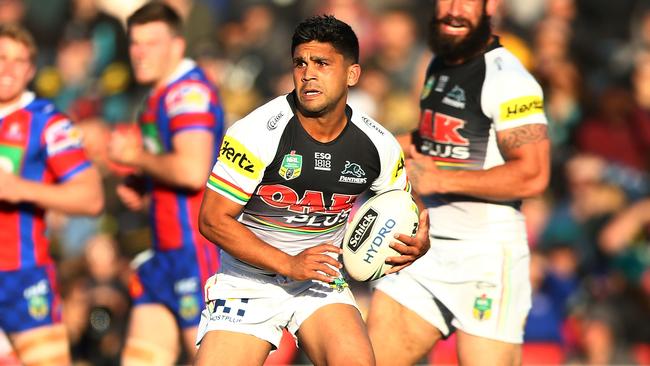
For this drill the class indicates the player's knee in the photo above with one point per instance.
(140, 352)
(360, 359)
(43, 347)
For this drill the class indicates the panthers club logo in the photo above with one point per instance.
(352, 173)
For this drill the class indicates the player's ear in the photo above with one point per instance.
(492, 6)
(178, 46)
(354, 72)
(31, 72)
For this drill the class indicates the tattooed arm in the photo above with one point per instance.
(525, 172)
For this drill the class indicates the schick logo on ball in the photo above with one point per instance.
(378, 240)
(362, 230)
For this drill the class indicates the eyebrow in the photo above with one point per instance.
(312, 58)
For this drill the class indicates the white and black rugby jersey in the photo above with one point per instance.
(462, 108)
(298, 192)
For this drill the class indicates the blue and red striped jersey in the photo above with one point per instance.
(188, 102)
(37, 143)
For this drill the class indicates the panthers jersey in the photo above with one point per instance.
(40, 144)
(462, 108)
(298, 192)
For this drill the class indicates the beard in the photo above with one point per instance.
(453, 48)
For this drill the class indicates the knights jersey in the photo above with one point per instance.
(298, 192)
(462, 108)
(37, 143)
(187, 102)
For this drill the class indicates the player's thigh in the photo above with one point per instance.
(46, 345)
(399, 336)
(152, 336)
(479, 351)
(335, 334)
(221, 347)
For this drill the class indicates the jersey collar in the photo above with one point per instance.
(26, 98)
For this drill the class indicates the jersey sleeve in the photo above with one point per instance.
(513, 98)
(63, 146)
(239, 167)
(188, 106)
(393, 172)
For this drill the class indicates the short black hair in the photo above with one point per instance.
(327, 29)
(156, 11)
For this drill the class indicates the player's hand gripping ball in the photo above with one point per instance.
(372, 229)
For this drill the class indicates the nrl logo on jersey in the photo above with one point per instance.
(291, 166)
(427, 87)
(352, 173)
(455, 98)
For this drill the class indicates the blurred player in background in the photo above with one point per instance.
(481, 148)
(280, 194)
(42, 167)
(181, 124)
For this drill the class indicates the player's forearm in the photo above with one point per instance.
(233, 237)
(83, 195)
(511, 181)
(174, 170)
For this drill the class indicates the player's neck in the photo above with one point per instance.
(169, 75)
(324, 128)
(8, 106)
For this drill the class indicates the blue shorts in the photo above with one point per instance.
(29, 299)
(174, 279)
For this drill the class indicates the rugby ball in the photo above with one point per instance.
(372, 228)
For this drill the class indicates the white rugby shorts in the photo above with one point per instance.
(262, 305)
(482, 288)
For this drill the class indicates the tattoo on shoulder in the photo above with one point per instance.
(519, 136)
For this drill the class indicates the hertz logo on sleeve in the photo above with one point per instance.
(238, 157)
(521, 107)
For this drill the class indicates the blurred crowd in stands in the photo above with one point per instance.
(589, 234)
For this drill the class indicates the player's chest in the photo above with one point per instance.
(452, 99)
(348, 165)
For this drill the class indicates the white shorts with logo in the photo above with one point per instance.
(482, 288)
(263, 305)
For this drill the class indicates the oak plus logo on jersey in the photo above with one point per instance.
(442, 136)
(455, 97)
(352, 173)
(322, 161)
(291, 166)
(311, 211)
(236, 156)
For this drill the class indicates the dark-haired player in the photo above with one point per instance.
(279, 197)
(181, 123)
